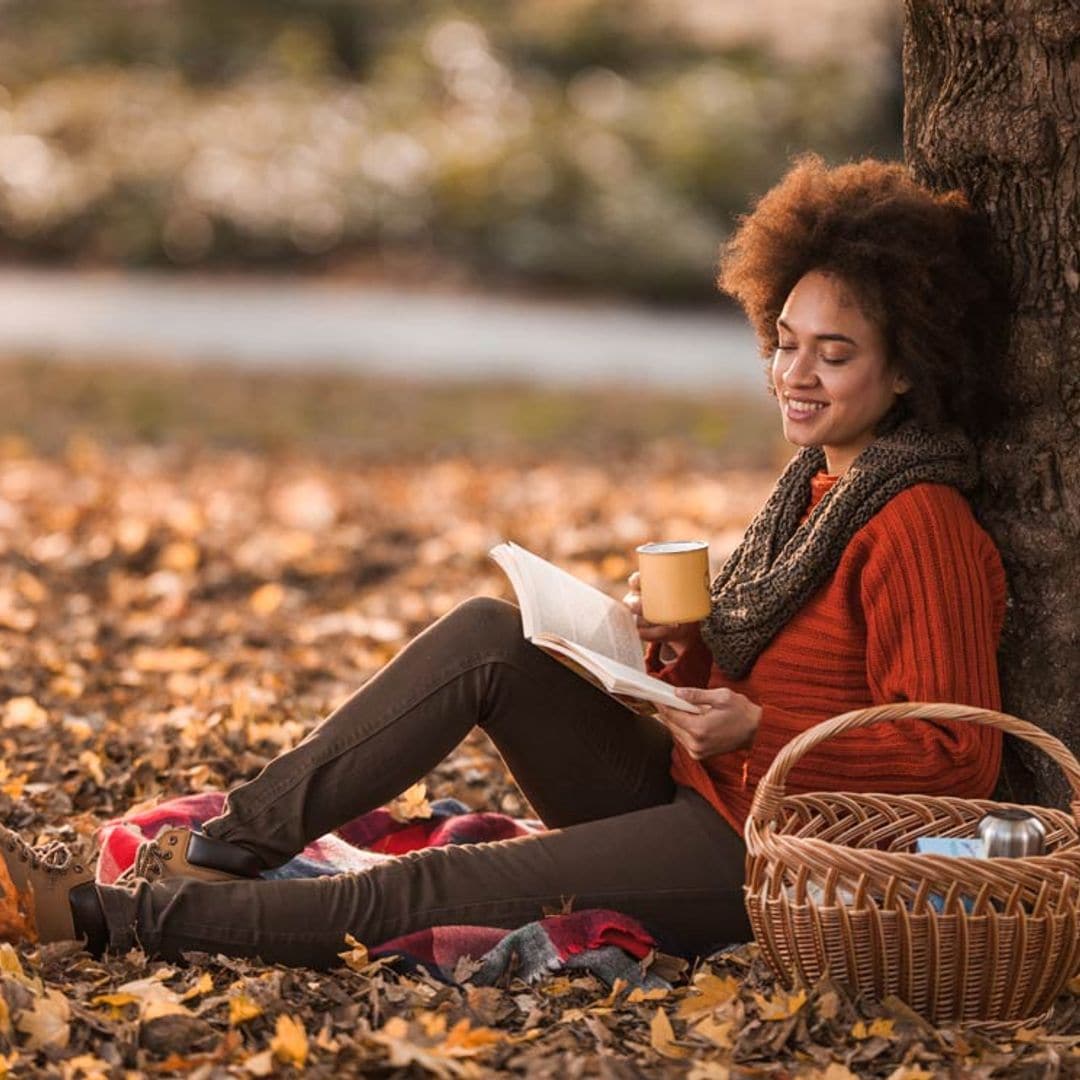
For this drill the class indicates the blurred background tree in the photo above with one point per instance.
(599, 144)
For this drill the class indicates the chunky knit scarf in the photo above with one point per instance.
(779, 563)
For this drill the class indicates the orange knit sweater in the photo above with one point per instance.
(913, 612)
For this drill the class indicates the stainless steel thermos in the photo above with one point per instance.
(1008, 832)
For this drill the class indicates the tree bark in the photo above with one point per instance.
(992, 107)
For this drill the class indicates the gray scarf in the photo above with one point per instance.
(780, 564)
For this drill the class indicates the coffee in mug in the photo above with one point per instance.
(674, 581)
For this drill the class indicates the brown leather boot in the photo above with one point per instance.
(43, 878)
(183, 853)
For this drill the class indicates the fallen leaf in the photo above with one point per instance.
(16, 919)
(709, 991)
(243, 1008)
(266, 599)
(356, 956)
(91, 762)
(718, 1032)
(463, 1040)
(662, 1037)
(47, 1021)
(882, 1027)
(24, 712)
(708, 1070)
(781, 1006)
(290, 1041)
(411, 804)
(203, 985)
(833, 1071)
(181, 658)
(85, 1067)
(260, 1064)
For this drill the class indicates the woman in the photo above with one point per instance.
(864, 579)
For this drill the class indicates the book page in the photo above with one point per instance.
(617, 678)
(555, 602)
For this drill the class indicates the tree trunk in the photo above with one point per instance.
(992, 107)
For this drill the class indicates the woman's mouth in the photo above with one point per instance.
(800, 409)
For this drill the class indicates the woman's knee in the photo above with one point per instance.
(485, 620)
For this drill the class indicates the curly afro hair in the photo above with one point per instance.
(919, 265)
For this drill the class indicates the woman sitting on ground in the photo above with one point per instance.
(864, 579)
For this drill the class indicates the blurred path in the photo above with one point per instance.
(294, 323)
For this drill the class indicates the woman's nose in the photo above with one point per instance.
(800, 372)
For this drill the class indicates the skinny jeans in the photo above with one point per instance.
(621, 834)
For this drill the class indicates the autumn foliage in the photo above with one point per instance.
(172, 616)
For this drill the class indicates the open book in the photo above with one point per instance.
(583, 627)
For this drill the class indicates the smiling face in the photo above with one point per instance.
(831, 373)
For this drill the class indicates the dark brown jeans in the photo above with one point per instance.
(622, 834)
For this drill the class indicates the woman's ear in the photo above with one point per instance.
(901, 384)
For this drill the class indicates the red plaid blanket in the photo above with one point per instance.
(609, 944)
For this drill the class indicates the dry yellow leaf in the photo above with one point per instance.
(24, 712)
(463, 1040)
(662, 1037)
(91, 762)
(411, 804)
(31, 588)
(47, 1022)
(718, 1032)
(708, 992)
(243, 1008)
(637, 995)
(1027, 1035)
(182, 658)
(266, 599)
(85, 1067)
(433, 1024)
(9, 958)
(131, 534)
(781, 1006)
(881, 1027)
(150, 995)
(290, 1041)
(557, 987)
(12, 786)
(16, 917)
(833, 1071)
(115, 1003)
(356, 956)
(709, 1070)
(203, 985)
(261, 1064)
(179, 556)
(80, 730)
(910, 1072)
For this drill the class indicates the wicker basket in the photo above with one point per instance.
(833, 886)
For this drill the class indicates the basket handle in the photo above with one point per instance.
(770, 789)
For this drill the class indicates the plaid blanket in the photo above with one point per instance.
(607, 943)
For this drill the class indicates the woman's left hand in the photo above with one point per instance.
(726, 721)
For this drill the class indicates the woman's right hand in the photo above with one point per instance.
(677, 636)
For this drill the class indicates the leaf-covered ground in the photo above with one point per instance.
(173, 615)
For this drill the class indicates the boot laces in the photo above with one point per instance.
(149, 860)
(54, 856)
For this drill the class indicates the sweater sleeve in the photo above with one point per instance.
(932, 594)
(692, 668)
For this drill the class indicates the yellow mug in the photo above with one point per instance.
(674, 581)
